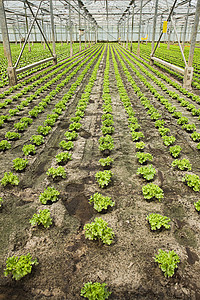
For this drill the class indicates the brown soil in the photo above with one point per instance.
(66, 259)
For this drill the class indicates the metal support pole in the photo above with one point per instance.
(138, 49)
(53, 33)
(185, 26)
(6, 45)
(168, 19)
(169, 35)
(132, 29)
(154, 28)
(26, 21)
(89, 33)
(85, 32)
(70, 30)
(79, 24)
(127, 30)
(124, 38)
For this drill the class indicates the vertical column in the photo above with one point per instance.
(187, 80)
(79, 24)
(132, 22)
(140, 23)
(169, 35)
(185, 26)
(89, 32)
(53, 33)
(154, 27)
(70, 30)
(85, 32)
(6, 45)
(124, 39)
(127, 30)
(66, 33)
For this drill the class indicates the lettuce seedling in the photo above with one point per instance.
(106, 143)
(107, 129)
(197, 205)
(9, 178)
(175, 150)
(147, 172)
(49, 194)
(143, 157)
(66, 145)
(101, 202)
(189, 127)
(43, 217)
(105, 162)
(107, 117)
(152, 190)
(108, 122)
(20, 126)
(95, 291)
(99, 230)
(71, 136)
(20, 164)
(63, 157)
(29, 149)
(177, 114)
(182, 164)
(195, 136)
(136, 136)
(56, 172)
(140, 145)
(192, 181)
(4, 145)
(19, 266)
(168, 140)
(12, 135)
(103, 178)
(37, 139)
(74, 126)
(163, 130)
(159, 123)
(44, 130)
(157, 221)
(182, 121)
(167, 261)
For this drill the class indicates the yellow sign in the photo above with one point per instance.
(144, 39)
(165, 27)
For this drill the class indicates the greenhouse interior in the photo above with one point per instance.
(100, 149)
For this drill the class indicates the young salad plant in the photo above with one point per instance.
(167, 261)
(152, 190)
(101, 202)
(147, 172)
(19, 266)
(106, 162)
(56, 172)
(143, 157)
(157, 221)
(4, 145)
(175, 150)
(103, 178)
(192, 181)
(9, 178)
(43, 217)
(182, 164)
(63, 157)
(95, 291)
(20, 164)
(49, 194)
(99, 230)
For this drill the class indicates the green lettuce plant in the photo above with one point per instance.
(43, 217)
(143, 157)
(147, 172)
(105, 162)
(19, 164)
(157, 221)
(101, 202)
(99, 230)
(44, 130)
(195, 136)
(175, 150)
(9, 178)
(140, 145)
(19, 266)
(63, 157)
(152, 190)
(103, 178)
(66, 145)
(56, 172)
(197, 205)
(182, 164)
(167, 261)
(95, 291)
(168, 140)
(71, 136)
(192, 181)
(11, 135)
(106, 143)
(4, 145)
(37, 139)
(49, 194)
(1, 201)
(29, 149)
